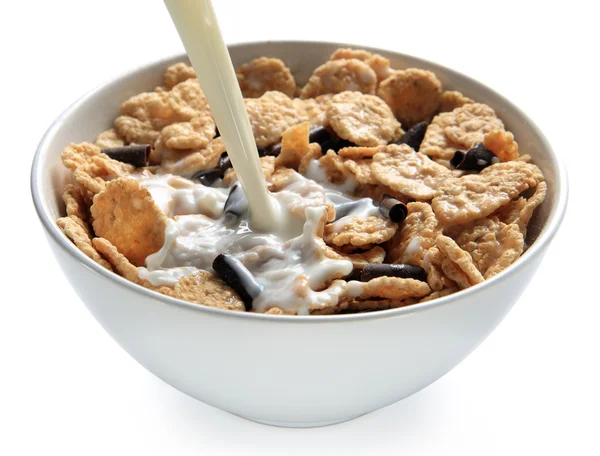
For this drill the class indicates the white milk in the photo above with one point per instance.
(199, 31)
(288, 263)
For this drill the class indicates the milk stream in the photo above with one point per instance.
(199, 31)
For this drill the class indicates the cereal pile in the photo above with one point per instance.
(399, 192)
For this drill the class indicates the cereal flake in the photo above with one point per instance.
(341, 75)
(263, 75)
(359, 231)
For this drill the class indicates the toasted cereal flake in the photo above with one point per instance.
(459, 264)
(521, 210)
(439, 294)
(475, 196)
(270, 115)
(356, 153)
(525, 158)
(125, 214)
(136, 131)
(195, 134)
(275, 311)
(177, 73)
(493, 245)
(394, 288)
(460, 129)
(378, 63)
(74, 231)
(315, 109)
(414, 95)
(375, 255)
(359, 231)
(408, 172)
(333, 165)
(502, 144)
(361, 169)
(294, 145)
(208, 290)
(122, 265)
(341, 75)
(378, 192)
(314, 153)
(416, 236)
(363, 119)
(187, 100)
(452, 99)
(109, 138)
(152, 107)
(87, 183)
(432, 263)
(263, 75)
(187, 163)
(88, 158)
(74, 203)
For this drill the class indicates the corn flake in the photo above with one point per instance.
(452, 99)
(362, 119)
(475, 196)
(208, 290)
(414, 95)
(359, 231)
(408, 172)
(263, 75)
(394, 288)
(177, 73)
(341, 75)
(125, 214)
(73, 230)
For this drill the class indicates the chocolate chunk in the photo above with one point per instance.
(393, 209)
(319, 135)
(224, 162)
(475, 159)
(354, 275)
(235, 274)
(208, 176)
(275, 150)
(263, 151)
(336, 144)
(217, 133)
(404, 271)
(414, 136)
(236, 204)
(136, 155)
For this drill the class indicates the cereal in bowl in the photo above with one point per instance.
(394, 190)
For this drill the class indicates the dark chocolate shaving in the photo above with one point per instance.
(475, 159)
(275, 150)
(236, 204)
(404, 271)
(393, 209)
(136, 155)
(414, 135)
(335, 144)
(224, 162)
(319, 135)
(208, 176)
(235, 274)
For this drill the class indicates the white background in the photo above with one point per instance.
(531, 388)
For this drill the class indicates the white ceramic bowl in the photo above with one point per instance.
(282, 370)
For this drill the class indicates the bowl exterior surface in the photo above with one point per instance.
(288, 371)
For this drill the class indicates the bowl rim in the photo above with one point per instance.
(544, 238)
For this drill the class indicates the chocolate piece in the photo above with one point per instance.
(217, 133)
(319, 135)
(208, 176)
(263, 151)
(235, 274)
(136, 155)
(224, 162)
(404, 271)
(275, 150)
(336, 144)
(236, 204)
(414, 135)
(475, 159)
(354, 275)
(393, 209)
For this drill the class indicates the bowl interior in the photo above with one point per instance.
(96, 111)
